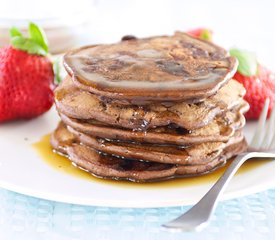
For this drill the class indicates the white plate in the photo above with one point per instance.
(23, 171)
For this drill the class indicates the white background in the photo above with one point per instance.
(246, 24)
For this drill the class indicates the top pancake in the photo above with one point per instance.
(165, 68)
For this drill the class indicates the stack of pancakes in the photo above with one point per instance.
(150, 109)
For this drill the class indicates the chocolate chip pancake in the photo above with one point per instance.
(164, 68)
(106, 166)
(203, 152)
(219, 130)
(79, 104)
(197, 154)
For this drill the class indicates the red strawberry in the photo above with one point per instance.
(202, 33)
(26, 76)
(258, 81)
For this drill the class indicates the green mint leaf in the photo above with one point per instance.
(248, 64)
(14, 32)
(28, 45)
(57, 71)
(37, 35)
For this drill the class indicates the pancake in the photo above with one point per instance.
(203, 152)
(196, 154)
(106, 166)
(79, 104)
(219, 130)
(164, 68)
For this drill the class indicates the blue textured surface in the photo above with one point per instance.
(23, 217)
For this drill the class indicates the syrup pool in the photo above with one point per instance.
(62, 164)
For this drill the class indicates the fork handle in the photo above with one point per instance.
(197, 217)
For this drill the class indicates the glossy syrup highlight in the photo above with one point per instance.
(65, 166)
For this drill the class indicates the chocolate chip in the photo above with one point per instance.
(90, 68)
(198, 52)
(172, 67)
(186, 44)
(117, 64)
(128, 37)
(217, 55)
(178, 129)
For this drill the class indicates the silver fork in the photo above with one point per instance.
(262, 144)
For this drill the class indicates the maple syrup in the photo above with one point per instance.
(62, 164)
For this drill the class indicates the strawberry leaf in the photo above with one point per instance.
(28, 45)
(248, 64)
(56, 70)
(14, 32)
(206, 35)
(37, 35)
(36, 43)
